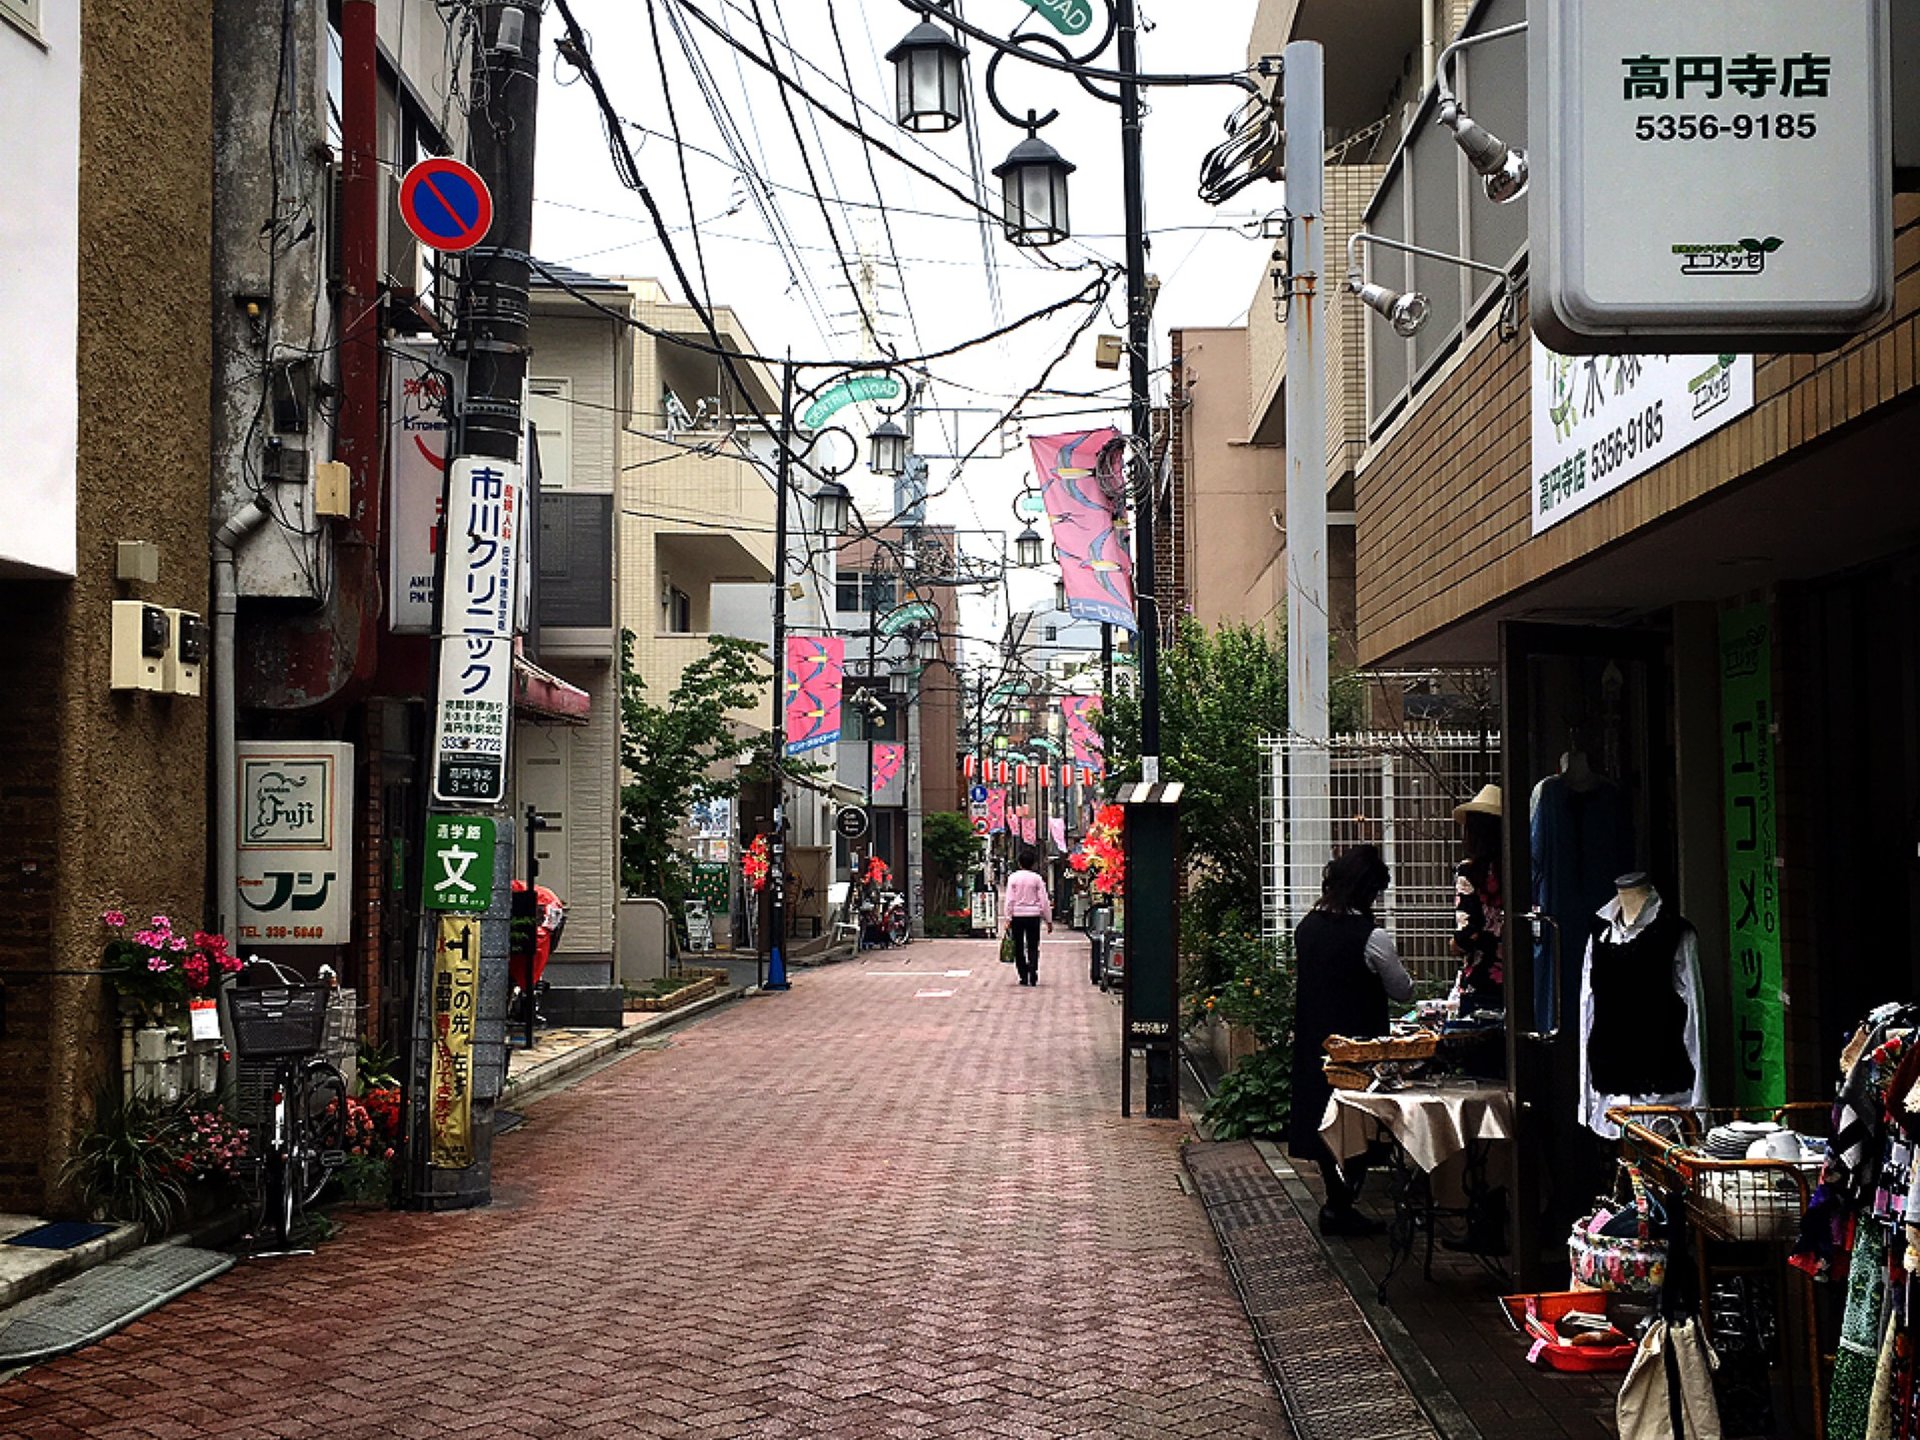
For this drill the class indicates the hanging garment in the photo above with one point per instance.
(1479, 927)
(1858, 1359)
(1581, 837)
(1645, 1408)
(1640, 1037)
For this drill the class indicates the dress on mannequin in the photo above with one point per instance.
(1581, 834)
(1640, 1040)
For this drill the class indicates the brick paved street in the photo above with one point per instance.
(880, 1205)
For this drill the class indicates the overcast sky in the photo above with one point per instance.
(941, 291)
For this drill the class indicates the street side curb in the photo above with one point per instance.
(1428, 1389)
(116, 1242)
(523, 1089)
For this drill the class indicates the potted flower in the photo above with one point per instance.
(157, 968)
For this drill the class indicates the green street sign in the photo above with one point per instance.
(914, 612)
(458, 869)
(1030, 505)
(852, 391)
(1069, 17)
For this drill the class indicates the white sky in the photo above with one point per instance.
(940, 294)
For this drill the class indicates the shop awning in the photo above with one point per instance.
(545, 697)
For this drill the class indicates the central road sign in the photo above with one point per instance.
(446, 204)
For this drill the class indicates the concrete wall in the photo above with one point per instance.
(103, 796)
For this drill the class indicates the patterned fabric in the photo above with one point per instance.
(1859, 1355)
(1479, 924)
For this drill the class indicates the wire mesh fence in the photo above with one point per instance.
(1393, 790)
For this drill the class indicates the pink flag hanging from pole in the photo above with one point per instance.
(816, 664)
(1028, 828)
(1057, 829)
(1083, 739)
(996, 810)
(1081, 476)
(886, 764)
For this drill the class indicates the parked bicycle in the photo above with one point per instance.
(303, 1138)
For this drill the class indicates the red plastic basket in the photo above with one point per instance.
(1535, 1316)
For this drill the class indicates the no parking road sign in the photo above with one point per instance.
(446, 204)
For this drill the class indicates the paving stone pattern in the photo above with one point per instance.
(862, 1208)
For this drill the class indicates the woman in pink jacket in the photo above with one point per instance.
(1026, 908)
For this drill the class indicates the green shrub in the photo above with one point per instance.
(1258, 993)
(1253, 1102)
(130, 1165)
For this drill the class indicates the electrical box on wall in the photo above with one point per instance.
(141, 633)
(186, 653)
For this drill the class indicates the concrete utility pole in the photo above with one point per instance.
(492, 337)
(1308, 654)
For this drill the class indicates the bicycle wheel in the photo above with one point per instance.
(320, 1129)
(276, 1198)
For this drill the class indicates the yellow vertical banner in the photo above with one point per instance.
(456, 995)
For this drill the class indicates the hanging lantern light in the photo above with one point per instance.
(1033, 187)
(900, 678)
(831, 504)
(926, 647)
(928, 83)
(1026, 548)
(889, 449)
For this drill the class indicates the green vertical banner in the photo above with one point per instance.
(1753, 883)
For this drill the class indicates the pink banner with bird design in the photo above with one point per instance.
(1083, 737)
(886, 764)
(816, 665)
(1057, 829)
(1082, 476)
(996, 810)
(1029, 829)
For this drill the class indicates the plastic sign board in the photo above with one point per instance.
(838, 396)
(850, 821)
(1601, 420)
(446, 204)
(1708, 178)
(476, 642)
(294, 843)
(419, 411)
(1069, 17)
(458, 873)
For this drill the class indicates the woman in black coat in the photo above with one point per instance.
(1346, 971)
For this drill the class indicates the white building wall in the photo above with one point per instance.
(40, 290)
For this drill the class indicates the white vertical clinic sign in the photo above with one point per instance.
(1711, 177)
(484, 514)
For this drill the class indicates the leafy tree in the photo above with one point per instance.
(948, 847)
(1221, 692)
(677, 755)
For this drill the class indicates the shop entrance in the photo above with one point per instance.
(1588, 781)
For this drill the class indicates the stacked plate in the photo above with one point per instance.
(1732, 1142)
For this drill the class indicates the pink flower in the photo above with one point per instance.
(161, 922)
(158, 964)
(115, 918)
(178, 942)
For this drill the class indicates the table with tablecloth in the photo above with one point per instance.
(1442, 1141)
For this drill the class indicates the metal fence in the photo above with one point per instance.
(1393, 790)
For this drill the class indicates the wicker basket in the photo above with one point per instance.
(1401, 1048)
(1348, 1077)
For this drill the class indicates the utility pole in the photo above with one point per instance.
(776, 972)
(1307, 644)
(459, 1058)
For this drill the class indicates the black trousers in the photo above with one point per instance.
(1026, 947)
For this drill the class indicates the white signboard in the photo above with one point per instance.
(1713, 176)
(1600, 420)
(475, 692)
(418, 410)
(295, 843)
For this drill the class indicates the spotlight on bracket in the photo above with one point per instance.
(1405, 310)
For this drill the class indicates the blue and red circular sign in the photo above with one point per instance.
(445, 204)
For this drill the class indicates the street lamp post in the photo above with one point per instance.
(832, 504)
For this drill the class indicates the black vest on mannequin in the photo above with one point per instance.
(1638, 1044)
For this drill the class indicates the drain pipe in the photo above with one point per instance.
(226, 715)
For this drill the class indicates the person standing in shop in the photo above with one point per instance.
(1347, 969)
(1026, 909)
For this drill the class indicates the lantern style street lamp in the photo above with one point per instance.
(900, 677)
(1033, 188)
(831, 504)
(889, 448)
(929, 91)
(926, 647)
(1027, 548)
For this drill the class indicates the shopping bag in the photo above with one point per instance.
(1006, 947)
(1672, 1374)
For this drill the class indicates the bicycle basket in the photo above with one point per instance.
(274, 1020)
